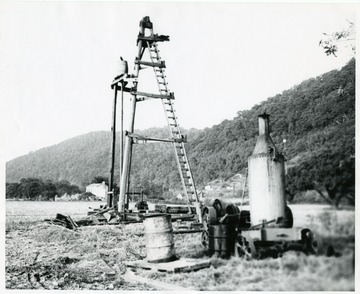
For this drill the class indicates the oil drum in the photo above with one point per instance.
(222, 239)
(159, 238)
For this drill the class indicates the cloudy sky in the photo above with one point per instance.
(57, 61)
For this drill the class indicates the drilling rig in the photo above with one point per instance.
(148, 57)
(266, 229)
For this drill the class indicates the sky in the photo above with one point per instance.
(58, 59)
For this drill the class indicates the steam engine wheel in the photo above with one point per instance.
(245, 247)
(209, 218)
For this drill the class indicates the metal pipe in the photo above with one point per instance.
(127, 158)
(128, 140)
(110, 196)
(126, 200)
(121, 158)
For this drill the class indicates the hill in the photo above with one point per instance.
(316, 118)
(80, 159)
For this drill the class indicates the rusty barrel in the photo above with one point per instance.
(222, 239)
(159, 238)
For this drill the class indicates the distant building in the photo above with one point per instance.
(235, 183)
(208, 188)
(67, 197)
(179, 197)
(99, 190)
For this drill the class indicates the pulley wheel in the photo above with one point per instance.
(205, 238)
(220, 207)
(232, 209)
(288, 220)
(233, 214)
(245, 247)
(308, 242)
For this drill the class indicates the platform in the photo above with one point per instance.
(178, 266)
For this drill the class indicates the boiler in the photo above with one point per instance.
(266, 178)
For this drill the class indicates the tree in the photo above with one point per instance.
(100, 179)
(49, 190)
(64, 187)
(31, 188)
(86, 196)
(13, 190)
(151, 189)
(75, 189)
(331, 42)
(330, 176)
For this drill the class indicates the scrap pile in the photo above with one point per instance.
(64, 221)
(110, 216)
(101, 216)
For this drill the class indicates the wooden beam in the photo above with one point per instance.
(186, 231)
(154, 38)
(130, 277)
(150, 95)
(146, 139)
(160, 64)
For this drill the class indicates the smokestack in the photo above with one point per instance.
(264, 124)
(264, 142)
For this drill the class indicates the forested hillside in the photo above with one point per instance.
(77, 160)
(316, 117)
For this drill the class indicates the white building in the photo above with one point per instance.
(99, 190)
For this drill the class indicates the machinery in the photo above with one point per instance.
(267, 228)
(141, 205)
(148, 57)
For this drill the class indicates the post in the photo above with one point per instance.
(128, 140)
(115, 197)
(121, 127)
(128, 180)
(127, 157)
(110, 196)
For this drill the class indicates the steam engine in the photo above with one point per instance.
(267, 228)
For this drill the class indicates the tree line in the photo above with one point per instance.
(38, 189)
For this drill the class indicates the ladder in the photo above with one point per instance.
(149, 42)
(174, 129)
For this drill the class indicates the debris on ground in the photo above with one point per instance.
(110, 216)
(62, 220)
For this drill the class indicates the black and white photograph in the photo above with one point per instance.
(178, 146)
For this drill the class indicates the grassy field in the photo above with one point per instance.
(44, 256)
(38, 210)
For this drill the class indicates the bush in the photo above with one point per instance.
(87, 196)
(308, 197)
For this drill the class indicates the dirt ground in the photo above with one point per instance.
(44, 256)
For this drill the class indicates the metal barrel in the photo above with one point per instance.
(222, 239)
(159, 239)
